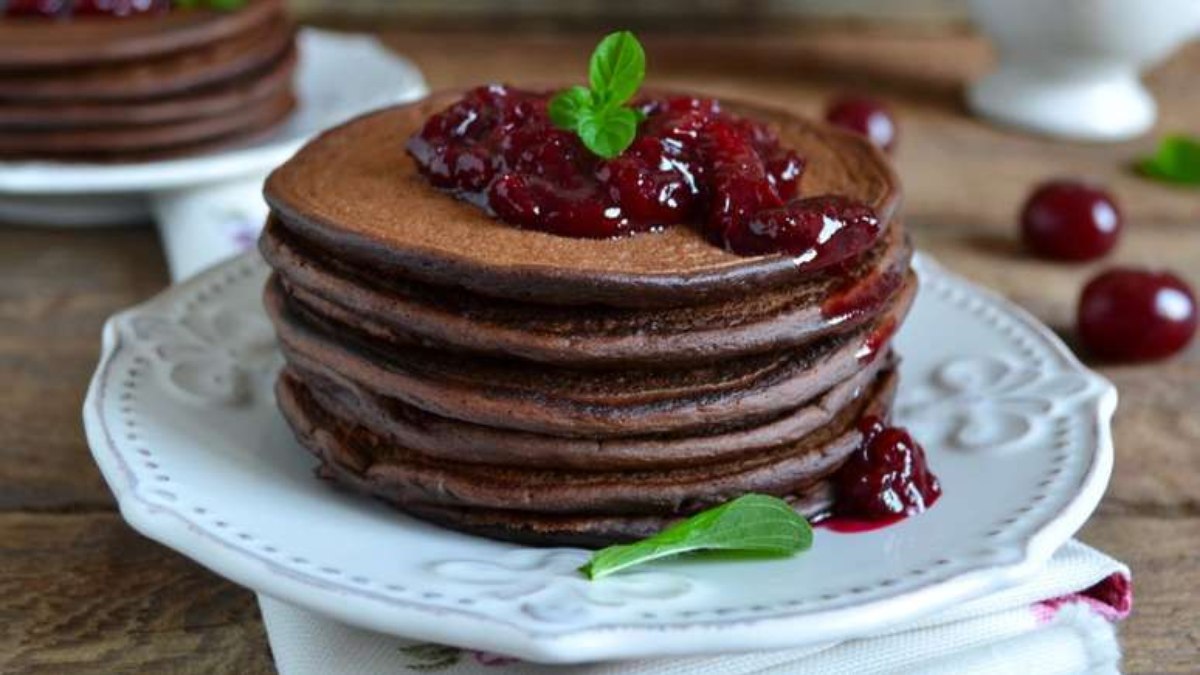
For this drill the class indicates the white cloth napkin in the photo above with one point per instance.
(1061, 621)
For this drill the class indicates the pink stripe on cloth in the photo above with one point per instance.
(1111, 598)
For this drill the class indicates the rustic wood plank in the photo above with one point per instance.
(1163, 634)
(57, 289)
(84, 593)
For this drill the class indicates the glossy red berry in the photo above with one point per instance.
(1130, 314)
(887, 476)
(1070, 220)
(865, 116)
(820, 231)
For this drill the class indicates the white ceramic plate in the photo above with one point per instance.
(181, 421)
(78, 194)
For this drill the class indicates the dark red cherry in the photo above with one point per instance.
(866, 116)
(513, 199)
(43, 8)
(820, 231)
(1128, 314)
(1070, 220)
(887, 476)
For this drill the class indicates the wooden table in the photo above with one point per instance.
(80, 591)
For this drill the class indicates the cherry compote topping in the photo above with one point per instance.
(865, 116)
(62, 8)
(119, 8)
(886, 477)
(691, 163)
(1070, 220)
(42, 8)
(1136, 315)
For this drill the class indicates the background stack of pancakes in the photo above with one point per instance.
(551, 390)
(124, 89)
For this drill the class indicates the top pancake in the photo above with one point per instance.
(30, 44)
(354, 193)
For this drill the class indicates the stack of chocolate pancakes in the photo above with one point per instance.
(140, 87)
(550, 390)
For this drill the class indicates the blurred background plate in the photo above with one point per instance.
(75, 194)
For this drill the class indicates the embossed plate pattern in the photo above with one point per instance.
(181, 421)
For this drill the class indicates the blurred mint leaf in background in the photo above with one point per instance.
(1177, 160)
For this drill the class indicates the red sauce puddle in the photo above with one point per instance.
(847, 525)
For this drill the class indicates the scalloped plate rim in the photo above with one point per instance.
(610, 641)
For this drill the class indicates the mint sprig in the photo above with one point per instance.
(1177, 160)
(599, 115)
(751, 523)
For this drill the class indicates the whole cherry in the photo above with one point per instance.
(1070, 220)
(866, 116)
(1128, 314)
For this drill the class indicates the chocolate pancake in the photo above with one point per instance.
(177, 73)
(397, 423)
(353, 194)
(226, 98)
(146, 138)
(397, 310)
(37, 44)
(572, 402)
(404, 476)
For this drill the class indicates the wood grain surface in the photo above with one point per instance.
(81, 592)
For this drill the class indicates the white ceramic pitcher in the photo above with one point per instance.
(1070, 68)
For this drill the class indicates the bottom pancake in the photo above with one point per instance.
(589, 531)
(576, 507)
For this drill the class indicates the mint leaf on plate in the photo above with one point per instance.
(1177, 160)
(599, 115)
(751, 523)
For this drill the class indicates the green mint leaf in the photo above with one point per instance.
(598, 115)
(617, 69)
(607, 131)
(568, 106)
(1177, 160)
(752, 523)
